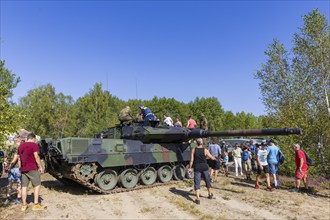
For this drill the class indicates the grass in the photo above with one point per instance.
(145, 210)
(191, 208)
(55, 189)
(118, 212)
(269, 202)
(297, 202)
(288, 184)
(242, 191)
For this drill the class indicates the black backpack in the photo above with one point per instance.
(309, 160)
(280, 157)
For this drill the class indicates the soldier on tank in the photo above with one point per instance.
(203, 122)
(126, 116)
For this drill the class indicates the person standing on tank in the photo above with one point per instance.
(147, 114)
(201, 168)
(191, 123)
(203, 122)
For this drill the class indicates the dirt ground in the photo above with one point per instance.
(234, 198)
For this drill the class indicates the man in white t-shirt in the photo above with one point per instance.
(168, 121)
(263, 166)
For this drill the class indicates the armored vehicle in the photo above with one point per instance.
(127, 157)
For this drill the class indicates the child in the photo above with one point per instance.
(225, 162)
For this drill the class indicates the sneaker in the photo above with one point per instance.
(241, 174)
(257, 187)
(270, 188)
(8, 201)
(24, 207)
(197, 201)
(294, 190)
(38, 207)
(210, 196)
(18, 202)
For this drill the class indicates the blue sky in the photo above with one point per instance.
(142, 49)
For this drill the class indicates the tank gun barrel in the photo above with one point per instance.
(177, 135)
(252, 132)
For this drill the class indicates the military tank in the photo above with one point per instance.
(129, 157)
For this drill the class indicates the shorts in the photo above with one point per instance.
(198, 177)
(215, 164)
(14, 175)
(247, 165)
(265, 169)
(225, 165)
(33, 176)
(302, 174)
(273, 168)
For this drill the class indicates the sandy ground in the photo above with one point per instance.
(234, 198)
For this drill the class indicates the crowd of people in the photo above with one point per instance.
(248, 158)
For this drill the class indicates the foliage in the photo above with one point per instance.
(212, 110)
(95, 111)
(295, 88)
(46, 112)
(9, 114)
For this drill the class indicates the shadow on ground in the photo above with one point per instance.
(183, 193)
(67, 187)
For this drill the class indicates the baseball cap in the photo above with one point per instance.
(141, 105)
(269, 141)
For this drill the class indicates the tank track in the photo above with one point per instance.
(95, 188)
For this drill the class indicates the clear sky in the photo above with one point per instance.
(142, 49)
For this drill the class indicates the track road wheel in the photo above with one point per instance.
(148, 176)
(129, 178)
(165, 173)
(179, 172)
(107, 179)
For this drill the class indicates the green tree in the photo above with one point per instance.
(96, 110)
(211, 108)
(295, 87)
(64, 116)
(9, 114)
(39, 110)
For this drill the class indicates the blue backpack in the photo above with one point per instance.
(245, 155)
(280, 157)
